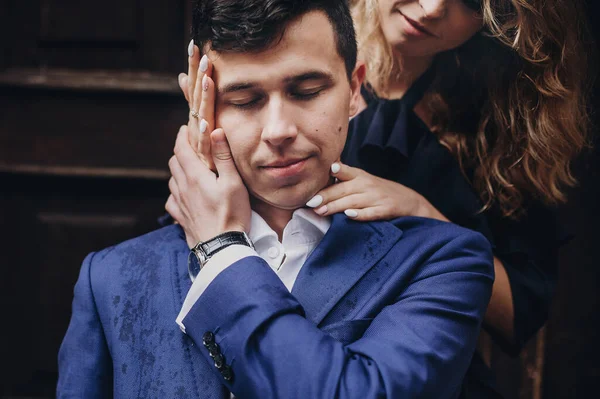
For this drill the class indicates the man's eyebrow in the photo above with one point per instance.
(311, 75)
(233, 87)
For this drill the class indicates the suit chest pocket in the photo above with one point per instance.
(347, 331)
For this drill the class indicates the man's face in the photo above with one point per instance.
(285, 111)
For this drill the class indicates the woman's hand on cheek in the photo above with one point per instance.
(206, 204)
(199, 90)
(362, 196)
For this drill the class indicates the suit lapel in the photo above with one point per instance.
(347, 252)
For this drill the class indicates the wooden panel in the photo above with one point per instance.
(73, 21)
(101, 130)
(52, 224)
(134, 35)
(114, 81)
(90, 107)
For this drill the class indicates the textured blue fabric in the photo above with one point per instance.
(384, 309)
(122, 340)
(378, 309)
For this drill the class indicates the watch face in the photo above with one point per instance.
(193, 265)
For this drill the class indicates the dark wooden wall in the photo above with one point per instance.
(89, 109)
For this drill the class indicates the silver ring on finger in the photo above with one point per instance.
(194, 113)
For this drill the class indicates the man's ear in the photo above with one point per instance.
(358, 77)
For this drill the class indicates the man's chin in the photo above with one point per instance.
(288, 204)
(288, 199)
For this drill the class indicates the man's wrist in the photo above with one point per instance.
(201, 253)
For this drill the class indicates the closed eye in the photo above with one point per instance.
(307, 94)
(244, 104)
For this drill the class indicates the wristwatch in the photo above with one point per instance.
(204, 250)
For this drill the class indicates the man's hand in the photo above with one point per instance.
(206, 204)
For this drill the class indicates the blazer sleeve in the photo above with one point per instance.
(84, 364)
(418, 346)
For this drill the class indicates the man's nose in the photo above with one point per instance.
(434, 8)
(279, 127)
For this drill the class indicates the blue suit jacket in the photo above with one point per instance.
(383, 309)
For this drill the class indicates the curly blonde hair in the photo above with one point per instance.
(521, 83)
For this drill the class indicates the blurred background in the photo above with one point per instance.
(89, 111)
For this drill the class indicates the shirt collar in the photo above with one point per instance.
(259, 229)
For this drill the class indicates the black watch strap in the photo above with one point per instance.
(222, 241)
(204, 250)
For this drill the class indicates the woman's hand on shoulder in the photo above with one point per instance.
(364, 197)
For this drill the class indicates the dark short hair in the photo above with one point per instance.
(238, 26)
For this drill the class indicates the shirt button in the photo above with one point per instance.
(273, 252)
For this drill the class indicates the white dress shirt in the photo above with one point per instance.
(300, 237)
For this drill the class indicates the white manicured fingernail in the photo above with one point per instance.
(335, 167)
(203, 126)
(315, 201)
(204, 63)
(351, 213)
(191, 48)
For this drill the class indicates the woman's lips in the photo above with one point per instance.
(413, 28)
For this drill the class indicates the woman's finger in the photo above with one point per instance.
(196, 124)
(344, 172)
(193, 64)
(204, 70)
(366, 214)
(334, 193)
(207, 124)
(182, 79)
(352, 201)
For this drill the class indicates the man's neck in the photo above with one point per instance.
(276, 218)
(410, 70)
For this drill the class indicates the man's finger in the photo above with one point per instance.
(177, 173)
(222, 155)
(172, 207)
(187, 158)
(173, 188)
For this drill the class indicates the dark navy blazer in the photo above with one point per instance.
(381, 309)
(389, 140)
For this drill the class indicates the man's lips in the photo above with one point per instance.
(285, 167)
(284, 163)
